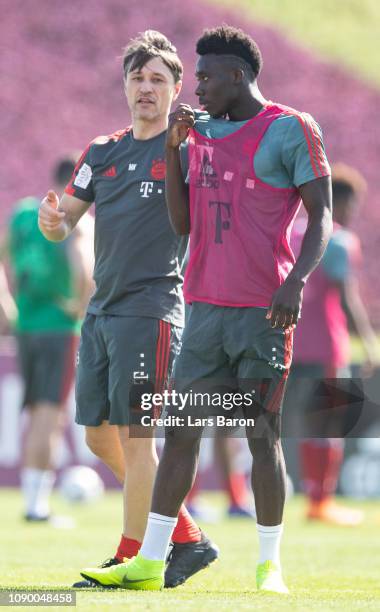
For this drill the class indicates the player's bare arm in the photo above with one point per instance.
(287, 300)
(4, 246)
(57, 219)
(177, 192)
(354, 307)
(8, 308)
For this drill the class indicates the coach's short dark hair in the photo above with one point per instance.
(64, 169)
(146, 46)
(226, 40)
(347, 182)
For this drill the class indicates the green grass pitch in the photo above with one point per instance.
(326, 568)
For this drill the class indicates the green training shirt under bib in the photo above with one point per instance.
(290, 154)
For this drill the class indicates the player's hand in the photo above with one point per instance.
(372, 360)
(286, 304)
(7, 321)
(49, 216)
(72, 307)
(180, 123)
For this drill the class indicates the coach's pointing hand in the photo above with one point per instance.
(179, 124)
(49, 217)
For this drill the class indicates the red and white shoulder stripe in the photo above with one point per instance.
(313, 137)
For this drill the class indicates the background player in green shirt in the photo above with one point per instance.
(134, 320)
(51, 287)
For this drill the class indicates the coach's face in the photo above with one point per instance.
(151, 90)
(216, 88)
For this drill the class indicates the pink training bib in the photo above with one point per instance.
(240, 226)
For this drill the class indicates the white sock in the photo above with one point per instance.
(269, 543)
(157, 536)
(36, 486)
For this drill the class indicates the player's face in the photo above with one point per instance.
(150, 91)
(215, 85)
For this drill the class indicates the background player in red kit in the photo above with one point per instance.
(322, 344)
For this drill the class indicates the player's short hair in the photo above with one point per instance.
(227, 40)
(146, 46)
(64, 169)
(347, 182)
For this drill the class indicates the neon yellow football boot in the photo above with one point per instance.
(137, 573)
(269, 578)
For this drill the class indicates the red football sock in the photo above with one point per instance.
(127, 548)
(320, 464)
(186, 529)
(237, 489)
